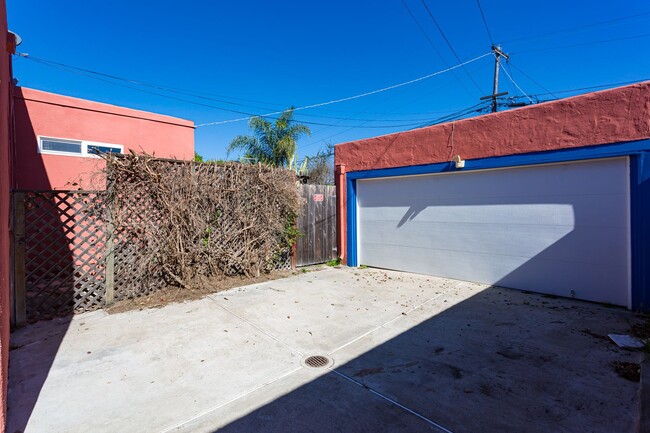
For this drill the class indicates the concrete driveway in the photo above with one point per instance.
(408, 353)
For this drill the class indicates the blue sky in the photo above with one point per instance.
(266, 56)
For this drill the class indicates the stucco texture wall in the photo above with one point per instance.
(5, 221)
(39, 113)
(610, 116)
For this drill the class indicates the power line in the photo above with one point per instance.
(645, 35)
(449, 44)
(146, 84)
(509, 83)
(434, 46)
(411, 123)
(531, 79)
(424, 95)
(94, 74)
(484, 21)
(447, 118)
(571, 29)
(187, 92)
(350, 129)
(361, 95)
(579, 89)
(457, 115)
(515, 83)
(99, 76)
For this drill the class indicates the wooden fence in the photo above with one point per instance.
(66, 259)
(59, 254)
(317, 225)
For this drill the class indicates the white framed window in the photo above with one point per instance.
(67, 147)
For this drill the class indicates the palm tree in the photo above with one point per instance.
(271, 143)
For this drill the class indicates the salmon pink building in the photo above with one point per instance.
(57, 138)
(551, 198)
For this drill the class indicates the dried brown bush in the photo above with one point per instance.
(178, 221)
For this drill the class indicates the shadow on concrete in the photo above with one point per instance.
(499, 361)
(49, 274)
(491, 363)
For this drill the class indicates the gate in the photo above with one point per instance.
(317, 225)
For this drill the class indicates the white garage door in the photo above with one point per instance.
(561, 229)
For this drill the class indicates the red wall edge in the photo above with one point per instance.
(5, 206)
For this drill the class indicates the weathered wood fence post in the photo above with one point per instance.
(19, 316)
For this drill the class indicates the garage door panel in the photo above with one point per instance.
(585, 210)
(561, 229)
(521, 241)
(510, 271)
(491, 186)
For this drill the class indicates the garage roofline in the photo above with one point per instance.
(609, 116)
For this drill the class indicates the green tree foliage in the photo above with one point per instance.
(199, 158)
(273, 144)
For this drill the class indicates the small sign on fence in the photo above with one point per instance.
(318, 197)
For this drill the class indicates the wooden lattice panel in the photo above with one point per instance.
(284, 261)
(137, 228)
(80, 252)
(64, 254)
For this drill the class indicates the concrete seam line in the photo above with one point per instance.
(205, 412)
(390, 400)
(259, 328)
(392, 320)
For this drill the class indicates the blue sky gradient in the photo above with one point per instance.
(266, 56)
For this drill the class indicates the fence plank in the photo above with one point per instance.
(317, 225)
(319, 216)
(311, 256)
(19, 302)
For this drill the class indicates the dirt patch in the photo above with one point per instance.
(174, 294)
(627, 370)
(642, 330)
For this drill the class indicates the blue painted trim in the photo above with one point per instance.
(351, 194)
(562, 155)
(640, 231)
(638, 151)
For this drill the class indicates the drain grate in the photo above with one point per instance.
(316, 361)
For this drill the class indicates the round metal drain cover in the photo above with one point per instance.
(317, 361)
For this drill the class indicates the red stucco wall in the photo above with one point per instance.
(609, 116)
(47, 114)
(5, 234)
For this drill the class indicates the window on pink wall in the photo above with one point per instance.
(83, 148)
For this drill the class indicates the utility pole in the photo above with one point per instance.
(496, 49)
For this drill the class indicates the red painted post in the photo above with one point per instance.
(339, 180)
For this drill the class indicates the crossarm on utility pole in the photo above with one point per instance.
(496, 49)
